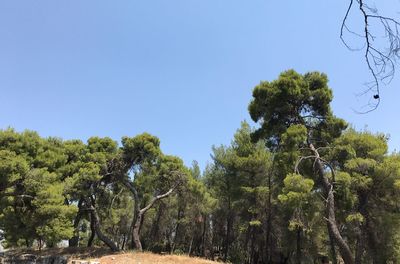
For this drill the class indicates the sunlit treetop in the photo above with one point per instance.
(295, 99)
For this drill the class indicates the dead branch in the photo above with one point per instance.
(380, 60)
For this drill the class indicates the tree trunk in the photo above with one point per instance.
(139, 213)
(269, 217)
(362, 208)
(227, 243)
(92, 232)
(176, 240)
(369, 230)
(298, 246)
(155, 228)
(332, 244)
(100, 234)
(136, 232)
(123, 242)
(252, 243)
(359, 248)
(74, 241)
(344, 248)
(95, 225)
(203, 236)
(190, 246)
(246, 244)
(373, 241)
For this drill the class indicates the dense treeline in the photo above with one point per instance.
(299, 188)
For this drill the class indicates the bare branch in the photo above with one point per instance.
(156, 198)
(296, 167)
(380, 61)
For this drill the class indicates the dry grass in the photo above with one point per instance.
(150, 258)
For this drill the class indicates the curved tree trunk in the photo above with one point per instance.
(139, 213)
(344, 248)
(100, 234)
(95, 226)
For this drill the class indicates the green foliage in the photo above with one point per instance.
(260, 200)
(79, 183)
(294, 99)
(294, 136)
(369, 176)
(32, 192)
(12, 168)
(295, 118)
(53, 217)
(357, 217)
(140, 148)
(296, 190)
(238, 179)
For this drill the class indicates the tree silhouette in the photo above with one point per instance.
(381, 46)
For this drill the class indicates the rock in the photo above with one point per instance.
(32, 259)
(52, 260)
(75, 261)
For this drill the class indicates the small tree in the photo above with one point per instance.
(149, 175)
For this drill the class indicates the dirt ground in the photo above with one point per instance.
(149, 258)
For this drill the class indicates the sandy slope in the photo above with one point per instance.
(149, 258)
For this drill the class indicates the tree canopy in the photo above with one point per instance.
(299, 187)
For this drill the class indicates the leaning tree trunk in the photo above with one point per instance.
(100, 234)
(139, 213)
(332, 245)
(344, 248)
(95, 224)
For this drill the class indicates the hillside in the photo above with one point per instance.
(150, 258)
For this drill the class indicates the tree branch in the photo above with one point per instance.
(156, 198)
(380, 61)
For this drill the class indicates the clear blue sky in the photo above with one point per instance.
(182, 70)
